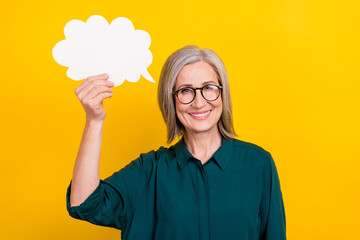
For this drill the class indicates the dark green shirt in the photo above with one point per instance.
(169, 195)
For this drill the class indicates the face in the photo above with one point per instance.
(200, 116)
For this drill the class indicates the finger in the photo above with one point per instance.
(100, 97)
(103, 76)
(95, 77)
(97, 90)
(90, 79)
(93, 84)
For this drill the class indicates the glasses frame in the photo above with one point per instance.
(201, 91)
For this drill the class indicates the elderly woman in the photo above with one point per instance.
(206, 186)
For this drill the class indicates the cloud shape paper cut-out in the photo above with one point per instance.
(95, 47)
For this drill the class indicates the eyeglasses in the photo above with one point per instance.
(187, 95)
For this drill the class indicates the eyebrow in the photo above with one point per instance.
(190, 85)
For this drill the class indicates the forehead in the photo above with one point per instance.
(196, 74)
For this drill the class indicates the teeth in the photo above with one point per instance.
(200, 115)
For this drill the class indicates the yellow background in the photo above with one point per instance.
(294, 78)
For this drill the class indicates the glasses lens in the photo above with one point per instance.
(211, 92)
(185, 95)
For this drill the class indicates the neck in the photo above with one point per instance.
(203, 145)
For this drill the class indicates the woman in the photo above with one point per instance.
(206, 186)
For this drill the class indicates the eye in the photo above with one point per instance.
(210, 87)
(185, 90)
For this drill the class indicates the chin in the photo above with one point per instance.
(202, 129)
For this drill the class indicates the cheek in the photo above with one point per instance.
(218, 105)
(219, 109)
(180, 110)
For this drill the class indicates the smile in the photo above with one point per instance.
(200, 115)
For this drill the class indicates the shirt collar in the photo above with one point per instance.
(221, 156)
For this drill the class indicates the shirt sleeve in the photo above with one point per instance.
(273, 222)
(114, 199)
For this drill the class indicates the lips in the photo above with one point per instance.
(200, 115)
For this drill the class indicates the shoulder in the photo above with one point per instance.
(251, 153)
(142, 165)
(151, 158)
(155, 155)
(250, 147)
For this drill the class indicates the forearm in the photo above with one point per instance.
(86, 170)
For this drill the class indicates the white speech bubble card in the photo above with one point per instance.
(95, 47)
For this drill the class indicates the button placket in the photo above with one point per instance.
(203, 203)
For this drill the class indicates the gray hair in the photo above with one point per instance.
(173, 65)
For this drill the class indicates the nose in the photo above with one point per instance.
(199, 101)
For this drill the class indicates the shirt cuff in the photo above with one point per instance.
(89, 208)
